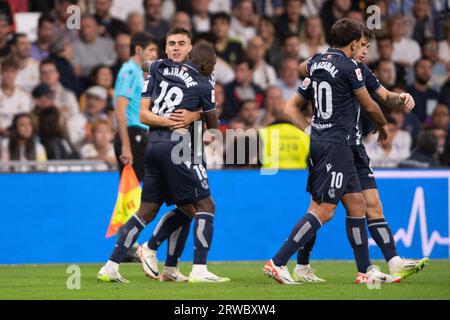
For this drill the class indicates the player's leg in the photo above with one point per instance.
(203, 235)
(303, 271)
(382, 235)
(304, 231)
(357, 235)
(130, 233)
(175, 247)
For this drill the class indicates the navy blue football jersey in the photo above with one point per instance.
(174, 86)
(334, 79)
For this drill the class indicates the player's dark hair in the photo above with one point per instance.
(201, 52)
(344, 31)
(179, 30)
(368, 34)
(143, 40)
(245, 59)
(222, 15)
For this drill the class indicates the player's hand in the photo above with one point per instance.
(383, 133)
(407, 100)
(126, 157)
(183, 118)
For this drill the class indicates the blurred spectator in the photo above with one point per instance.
(52, 136)
(219, 92)
(226, 48)
(101, 76)
(266, 30)
(406, 50)
(273, 99)
(426, 98)
(291, 21)
(5, 29)
(28, 73)
(288, 77)
(389, 153)
(441, 134)
(312, 38)
(108, 26)
(183, 20)
(440, 117)
(80, 125)
(61, 54)
(91, 50)
(397, 7)
(444, 45)
(242, 150)
(385, 49)
(155, 24)
(122, 45)
(285, 146)
(65, 99)
(444, 97)
(40, 49)
(423, 155)
(264, 74)
(200, 15)
(332, 11)
(13, 99)
(61, 14)
(312, 7)
(101, 147)
(243, 21)
(420, 24)
(439, 71)
(408, 122)
(223, 72)
(242, 89)
(385, 72)
(43, 98)
(289, 50)
(135, 22)
(22, 144)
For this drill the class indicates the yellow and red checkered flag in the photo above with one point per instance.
(128, 200)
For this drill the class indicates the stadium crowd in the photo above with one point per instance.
(57, 93)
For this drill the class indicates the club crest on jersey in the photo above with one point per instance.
(332, 193)
(359, 74)
(305, 83)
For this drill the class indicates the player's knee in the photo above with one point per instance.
(148, 212)
(206, 205)
(355, 205)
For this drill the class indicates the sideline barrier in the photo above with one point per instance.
(62, 218)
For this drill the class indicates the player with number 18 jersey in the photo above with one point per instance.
(172, 86)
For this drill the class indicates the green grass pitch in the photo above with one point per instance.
(247, 282)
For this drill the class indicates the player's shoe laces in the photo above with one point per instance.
(205, 276)
(107, 275)
(407, 267)
(172, 274)
(377, 275)
(280, 274)
(305, 274)
(149, 262)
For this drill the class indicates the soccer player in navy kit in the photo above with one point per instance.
(378, 226)
(337, 81)
(172, 86)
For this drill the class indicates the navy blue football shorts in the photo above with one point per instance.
(332, 172)
(362, 164)
(165, 181)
